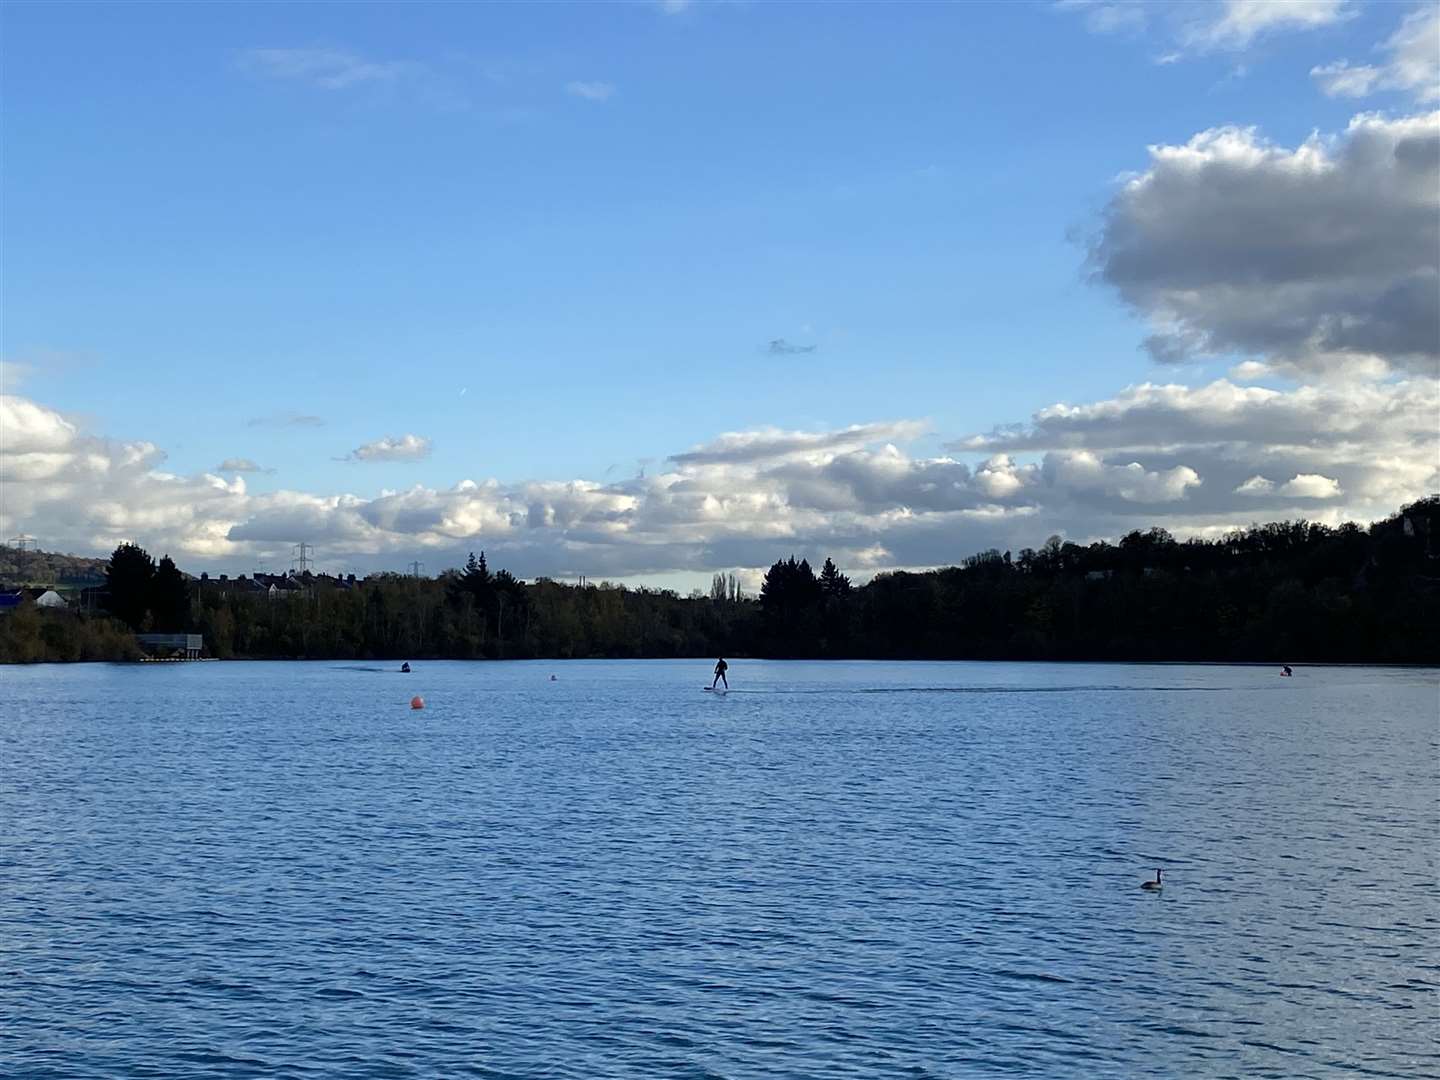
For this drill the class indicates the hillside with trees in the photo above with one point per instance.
(28, 567)
(1287, 591)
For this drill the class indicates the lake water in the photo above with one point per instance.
(838, 869)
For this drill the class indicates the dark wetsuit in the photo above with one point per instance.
(720, 668)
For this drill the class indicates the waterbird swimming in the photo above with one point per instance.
(1155, 885)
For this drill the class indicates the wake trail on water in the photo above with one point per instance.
(991, 690)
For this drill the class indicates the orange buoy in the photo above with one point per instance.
(417, 702)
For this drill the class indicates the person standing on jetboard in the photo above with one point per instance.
(720, 668)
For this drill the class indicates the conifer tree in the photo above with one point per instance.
(128, 579)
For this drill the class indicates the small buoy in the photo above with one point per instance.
(417, 702)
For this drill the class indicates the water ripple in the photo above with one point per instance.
(842, 870)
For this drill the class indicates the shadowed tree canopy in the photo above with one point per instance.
(833, 583)
(476, 580)
(789, 588)
(169, 599)
(128, 579)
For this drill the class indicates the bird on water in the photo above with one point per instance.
(1156, 885)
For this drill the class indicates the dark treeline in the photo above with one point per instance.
(1290, 591)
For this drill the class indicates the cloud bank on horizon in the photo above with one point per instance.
(1313, 267)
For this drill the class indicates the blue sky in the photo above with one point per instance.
(554, 242)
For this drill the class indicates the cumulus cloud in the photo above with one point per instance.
(1153, 415)
(406, 447)
(1318, 258)
(1249, 371)
(1082, 470)
(1311, 486)
(1299, 486)
(1256, 485)
(591, 91)
(1191, 460)
(80, 492)
(1377, 441)
(1412, 65)
(328, 69)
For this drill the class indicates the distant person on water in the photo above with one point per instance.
(720, 668)
(405, 666)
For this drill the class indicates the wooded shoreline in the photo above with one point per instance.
(1288, 592)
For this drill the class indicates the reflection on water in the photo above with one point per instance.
(837, 869)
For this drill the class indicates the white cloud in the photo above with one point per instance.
(406, 447)
(1413, 64)
(1107, 18)
(79, 492)
(1232, 26)
(1299, 486)
(1321, 258)
(1249, 371)
(1152, 415)
(1241, 22)
(1190, 460)
(1379, 441)
(999, 477)
(773, 444)
(1341, 79)
(1311, 486)
(1083, 470)
(239, 464)
(29, 428)
(329, 69)
(591, 91)
(1256, 485)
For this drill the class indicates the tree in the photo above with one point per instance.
(169, 598)
(128, 578)
(477, 579)
(510, 596)
(789, 590)
(833, 583)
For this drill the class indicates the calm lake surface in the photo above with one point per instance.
(838, 869)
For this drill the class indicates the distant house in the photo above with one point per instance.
(281, 586)
(227, 586)
(44, 598)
